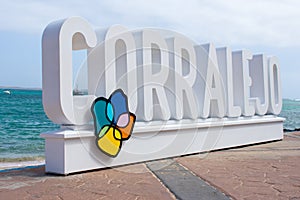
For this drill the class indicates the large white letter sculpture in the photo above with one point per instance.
(175, 87)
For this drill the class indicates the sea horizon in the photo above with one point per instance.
(40, 88)
(19, 88)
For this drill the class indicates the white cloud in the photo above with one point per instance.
(242, 22)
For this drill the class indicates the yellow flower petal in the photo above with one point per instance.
(109, 144)
(118, 134)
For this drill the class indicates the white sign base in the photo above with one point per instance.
(70, 150)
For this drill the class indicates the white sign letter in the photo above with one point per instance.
(214, 104)
(225, 65)
(59, 39)
(120, 59)
(242, 81)
(259, 90)
(275, 86)
(184, 58)
(154, 82)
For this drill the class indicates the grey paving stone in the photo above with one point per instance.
(182, 183)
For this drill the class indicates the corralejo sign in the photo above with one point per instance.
(175, 97)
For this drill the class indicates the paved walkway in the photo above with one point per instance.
(265, 171)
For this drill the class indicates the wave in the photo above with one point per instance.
(10, 166)
(289, 99)
(291, 130)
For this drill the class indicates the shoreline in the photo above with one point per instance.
(7, 166)
(15, 163)
(285, 130)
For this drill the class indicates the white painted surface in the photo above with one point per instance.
(214, 77)
(69, 151)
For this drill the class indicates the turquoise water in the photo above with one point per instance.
(22, 119)
(291, 111)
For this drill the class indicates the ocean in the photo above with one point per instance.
(22, 119)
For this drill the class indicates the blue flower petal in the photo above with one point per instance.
(120, 104)
(110, 112)
(102, 112)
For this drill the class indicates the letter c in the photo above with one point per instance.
(58, 41)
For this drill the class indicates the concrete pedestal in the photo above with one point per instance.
(73, 149)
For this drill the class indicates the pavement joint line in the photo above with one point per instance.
(183, 183)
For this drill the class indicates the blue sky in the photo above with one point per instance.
(268, 26)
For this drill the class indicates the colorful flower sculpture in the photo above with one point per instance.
(112, 121)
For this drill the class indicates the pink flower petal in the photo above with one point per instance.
(123, 120)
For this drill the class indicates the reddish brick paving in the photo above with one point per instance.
(133, 182)
(265, 171)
